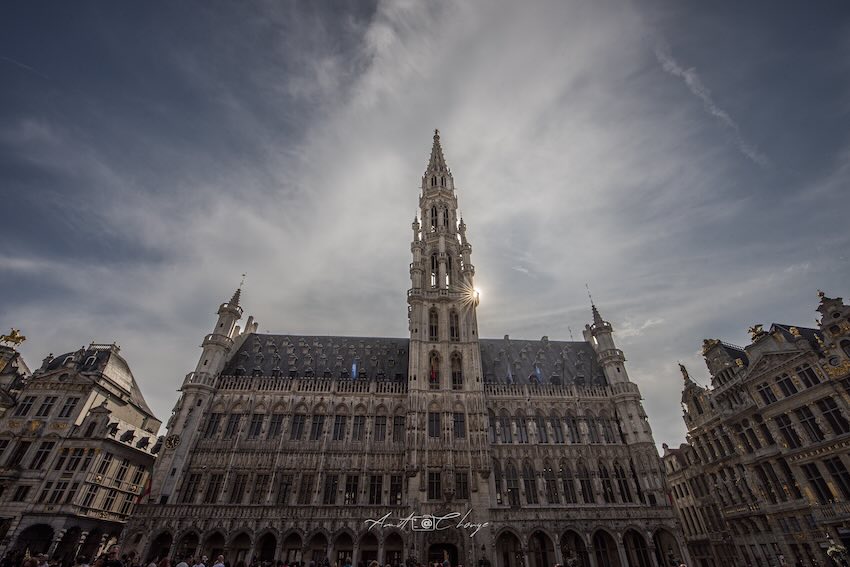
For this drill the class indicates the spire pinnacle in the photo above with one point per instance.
(234, 300)
(684, 371)
(437, 163)
(597, 318)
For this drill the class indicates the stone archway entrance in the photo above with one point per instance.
(160, 546)
(394, 549)
(66, 550)
(213, 546)
(509, 551)
(540, 550)
(573, 550)
(438, 552)
(666, 548)
(35, 538)
(266, 547)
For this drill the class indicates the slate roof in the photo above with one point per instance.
(369, 358)
(376, 358)
(807, 333)
(521, 361)
(105, 360)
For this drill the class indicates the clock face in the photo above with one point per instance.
(172, 441)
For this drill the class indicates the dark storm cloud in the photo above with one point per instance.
(689, 162)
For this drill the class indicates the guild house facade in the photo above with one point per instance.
(507, 452)
(77, 446)
(765, 477)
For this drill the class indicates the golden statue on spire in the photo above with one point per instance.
(13, 338)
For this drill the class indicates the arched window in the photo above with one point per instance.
(540, 427)
(445, 216)
(572, 429)
(607, 487)
(636, 481)
(530, 483)
(433, 324)
(505, 426)
(586, 486)
(622, 482)
(552, 496)
(568, 483)
(521, 427)
(497, 480)
(454, 326)
(433, 218)
(433, 181)
(513, 484)
(90, 429)
(449, 270)
(435, 269)
(434, 372)
(443, 181)
(592, 429)
(608, 430)
(491, 419)
(457, 372)
(557, 430)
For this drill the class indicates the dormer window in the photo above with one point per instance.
(91, 360)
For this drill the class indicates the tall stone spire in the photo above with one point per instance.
(437, 163)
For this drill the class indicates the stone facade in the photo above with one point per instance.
(77, 444)
(284, 447)
(764, 478)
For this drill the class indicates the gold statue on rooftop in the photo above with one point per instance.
(756, 331)
(13, 338)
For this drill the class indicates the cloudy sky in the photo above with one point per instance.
(689, 161)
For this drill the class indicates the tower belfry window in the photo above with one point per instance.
(433, 181)
(449, 271)
(457, 372)
(433, 218)
(434, 371)
(454, 326)
(434, 270)
(433, 324)
(445, 216)
(443, 181)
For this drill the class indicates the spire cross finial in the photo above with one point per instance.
(241, 283)
(587, 287)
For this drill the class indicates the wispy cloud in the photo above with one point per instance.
(696, 86)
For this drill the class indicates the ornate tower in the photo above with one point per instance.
(631, 415)
(197, 389)
(447, 442)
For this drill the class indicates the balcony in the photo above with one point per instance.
(832, 512)
(218, 340)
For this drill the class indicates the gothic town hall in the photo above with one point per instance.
(502, 452)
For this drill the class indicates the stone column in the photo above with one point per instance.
(650, 548)
(82, 541)
(683, 550)
(381, 551)
(621, 550)
(525, 561)
(55, 543)
(559, 556)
